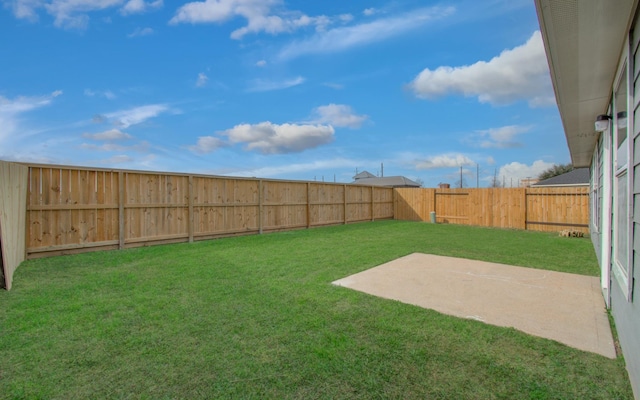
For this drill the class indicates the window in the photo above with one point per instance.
(622, 223)
(621, 185)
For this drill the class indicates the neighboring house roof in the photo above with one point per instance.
(363, 175)
(583, 40)
(577, 177)
(387, 181)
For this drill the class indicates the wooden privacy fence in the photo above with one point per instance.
(540, 209)
(49, 210)
(79, 209)
(13, 203)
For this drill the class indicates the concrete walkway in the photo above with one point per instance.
(564, 307)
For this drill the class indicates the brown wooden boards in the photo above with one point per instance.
(13, 201)
(72, 210)
(540, 209)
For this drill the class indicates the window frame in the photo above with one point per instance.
(623, 164)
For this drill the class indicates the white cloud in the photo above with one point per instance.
(498, 138)
(516, 74)
(268, 138)
(517, 171)
(111, 134)
(221, 10)
(275, 24)
(344, 18)
(142, 147)
(127, 161)
(207, 144)
(258, 13)
(202, 79)
(140, 6)
(25, 9)
(121, 159)
(73, 14)
(261, 63)
(137, 115)
(344, 38)
(336, 86)
(369, 11)
(339, 115)
(141, 32)
(261, 85)
(11, 109)
(144, 162)
(107, 93)
(444, 161)
(288, 169)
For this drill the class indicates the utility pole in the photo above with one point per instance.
(461, 177)
(381, 170)
(477, 175)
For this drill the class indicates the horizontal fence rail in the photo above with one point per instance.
(72, 210)
(538, 209)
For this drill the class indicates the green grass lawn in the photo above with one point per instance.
(257, 317)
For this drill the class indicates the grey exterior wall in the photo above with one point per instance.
(595, 222)
(627, 317)
(626, 312)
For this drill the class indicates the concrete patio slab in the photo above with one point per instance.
(564, 307)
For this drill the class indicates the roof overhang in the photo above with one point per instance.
(583, 40)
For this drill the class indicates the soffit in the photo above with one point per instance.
(583, 40)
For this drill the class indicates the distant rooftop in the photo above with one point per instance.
(366, 178)
(363, 175)
(577, 177)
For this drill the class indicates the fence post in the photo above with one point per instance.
(120, 210)
(491, 198)
(395, 203)
(260, 207)
(435, 207)
(372, 217)
(525, 207)
(308, 205)
(26, 215)
(191, 217)
(344, 191)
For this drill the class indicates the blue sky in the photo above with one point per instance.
(280, 89)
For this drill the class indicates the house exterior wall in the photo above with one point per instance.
(592, 49)
(627, 317)
(625, 300)
(596, 199)
(613, 180)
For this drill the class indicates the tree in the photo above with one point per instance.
(555, 170)
(461, 183)
(495, 180)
